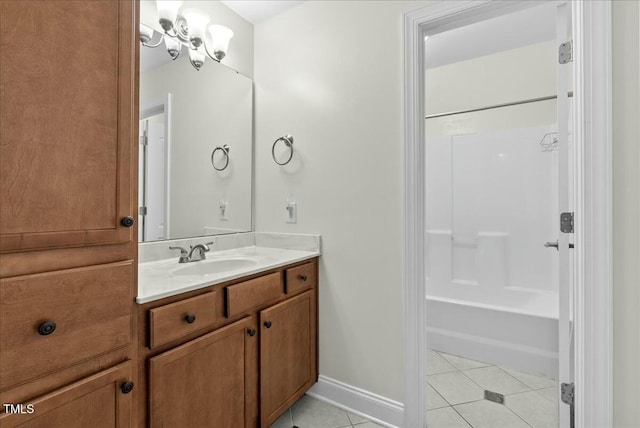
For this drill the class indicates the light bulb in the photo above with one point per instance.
(173, 47)
(167, 13)
(220, 37)
(146, 33)
(196, 58)
(197, 24)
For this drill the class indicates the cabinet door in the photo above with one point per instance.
(287, 354)
(205, 382)
(98, 401)
(68, 123)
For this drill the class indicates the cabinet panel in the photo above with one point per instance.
(287, 354)
(91, 309)
(97, 401)
(251, 294)
(170, 322)
(300, 278)
(68, 123)
(205, 381)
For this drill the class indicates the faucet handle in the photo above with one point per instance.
(207, 245)
(183, 252)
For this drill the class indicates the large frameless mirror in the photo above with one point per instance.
(195, 158)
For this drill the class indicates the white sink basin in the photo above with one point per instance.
(209, 267)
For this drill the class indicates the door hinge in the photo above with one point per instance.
(142, 211)
(567, 393)
(144, 140)
(565, 52)
(566, 222)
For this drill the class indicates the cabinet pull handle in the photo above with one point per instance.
(127, 221)
(190, 318)
(126, 387)
(303, 277)
(251, 332)
(267, 324)
(46, 328)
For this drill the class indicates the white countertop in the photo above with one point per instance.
(159, 279)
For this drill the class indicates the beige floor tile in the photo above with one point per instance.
(496, 380)
(463, 363)
(355, 419)
(436, 364)
(445, 418)
(532, 381)
(283, 421)
(535, 410)
(434, 400)
(550, 394)
(310, 413)
(487, 414)
(455, 387)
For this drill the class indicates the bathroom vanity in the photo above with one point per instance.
(226, 352)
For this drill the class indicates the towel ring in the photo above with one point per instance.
(225, 150)
(288, 141)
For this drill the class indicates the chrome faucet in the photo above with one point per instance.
(196, 254)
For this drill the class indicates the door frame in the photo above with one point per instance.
(162, 105)
(592, 128)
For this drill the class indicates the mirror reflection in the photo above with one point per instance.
(196, 148)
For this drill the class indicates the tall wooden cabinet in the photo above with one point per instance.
(68, 248)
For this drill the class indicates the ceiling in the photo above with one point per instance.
(511, 31)
(256, 11)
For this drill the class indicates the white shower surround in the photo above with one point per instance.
(492, 287)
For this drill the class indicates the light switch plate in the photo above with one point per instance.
(224, 210)
(291, 214)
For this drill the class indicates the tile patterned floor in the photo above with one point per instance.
(308, 412)
(455, 395)
(455, 399)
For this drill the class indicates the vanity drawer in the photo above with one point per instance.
(175, 320)
(53, 320)
(251, 294)
(301, 278)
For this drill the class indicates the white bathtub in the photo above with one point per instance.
(510, 327)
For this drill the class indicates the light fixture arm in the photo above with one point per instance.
(153, 46)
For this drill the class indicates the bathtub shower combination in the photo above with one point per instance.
(492, 286)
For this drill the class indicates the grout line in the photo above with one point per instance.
(463, 418)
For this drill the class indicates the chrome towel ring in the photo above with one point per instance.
(288, 141)
(225, 151)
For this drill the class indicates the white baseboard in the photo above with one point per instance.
(378, 409)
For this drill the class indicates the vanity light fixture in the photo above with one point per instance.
(188, 28)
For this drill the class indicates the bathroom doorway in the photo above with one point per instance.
(496, 176)
(499, 178)
(153, 171)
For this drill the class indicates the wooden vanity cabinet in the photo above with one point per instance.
(205, 381)
(243, 369)
(287, 354)
(68, 183)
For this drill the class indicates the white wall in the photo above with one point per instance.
(330, 73)
(209, 108)
(626, 213)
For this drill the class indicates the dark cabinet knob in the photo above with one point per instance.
(303, 277)
(267, 324)
(251, 332)
(126, 387)
(190, 318)
(46, 328)
(127, 221)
